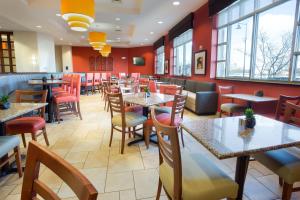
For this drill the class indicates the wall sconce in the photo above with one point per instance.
(123, 58)
(33, 60)
(200, 47)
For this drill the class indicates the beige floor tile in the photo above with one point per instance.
(13, 197)
(97, 176)
(5, 190)
(76, 157)
(146, 182)
(97, 159)
(127, 195)
(125, 162)
(119, 181)
(51, 179)
(109, 196)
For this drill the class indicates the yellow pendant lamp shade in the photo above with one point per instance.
(97, 48)
(106, 51)
(97, 39)
(78, 13)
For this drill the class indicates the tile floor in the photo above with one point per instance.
(132, 176)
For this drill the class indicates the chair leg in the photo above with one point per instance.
(181, 132)
(18, 160)
(220, 114)
(23, 139)
(111, 135)
(45, 136)
(147, 132)
(33, 136)
(86, 90)
(123, 141)
(78, 110)
(280, 181)
(287, 191)
(158, 190)
(57, 113)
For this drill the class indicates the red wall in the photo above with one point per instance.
(81, 55)
(148, 54)
(202, 36)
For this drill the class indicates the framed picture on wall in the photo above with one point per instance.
(166, 66)
(200, 62)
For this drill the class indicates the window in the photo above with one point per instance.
(159, 60)
(183, 54)
(7, 53)
(255, 41)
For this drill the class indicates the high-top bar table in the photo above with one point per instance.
(224, 139)
(146, 102)
(250, 99)
(47, 85)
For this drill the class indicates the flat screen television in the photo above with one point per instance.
(139, 61)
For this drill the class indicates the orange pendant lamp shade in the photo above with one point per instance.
(97, 39)
(106, 51)
(78, 13)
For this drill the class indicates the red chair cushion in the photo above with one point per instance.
(135, 109)
(25, 125)
(164, 118)
(87, 84)
(57, 89)
(65, 98)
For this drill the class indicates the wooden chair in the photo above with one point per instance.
(97, 82)
(281, 105)
(188, 176)
(124, 122)
(229, 108)
(32, 186)
(89, 78)
(174, 118)
(170, 90)
(35, 125)
(285, 162)
(7, 144)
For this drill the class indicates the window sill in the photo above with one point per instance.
(292, 83)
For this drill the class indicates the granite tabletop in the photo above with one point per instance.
(18, 109)
(251, 98)
(154, 99)
(48, 82)
(225, 138)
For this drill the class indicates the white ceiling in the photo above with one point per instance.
(137, 19)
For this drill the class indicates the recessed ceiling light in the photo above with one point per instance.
(160, 22)
(61, 39)
(82, 37)
(38, 26)
(151, 32)
(176, 3)
(108, 40)
(70, 44)
(117, 19)
(118, 38)
(58, 15)
(146, 39)
(142, 44)
(123, 58)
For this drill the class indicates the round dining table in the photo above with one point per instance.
(48, 85)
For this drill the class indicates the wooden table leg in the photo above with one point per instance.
(241, 173)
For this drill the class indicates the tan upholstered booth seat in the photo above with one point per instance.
(201, 179)
(132, 119)
(232, 107)
(283, 162)
(191, 100)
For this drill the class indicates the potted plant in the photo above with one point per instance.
(4, 103)
(147, 92)
(250, 118)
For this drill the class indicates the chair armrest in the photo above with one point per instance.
(206, 102)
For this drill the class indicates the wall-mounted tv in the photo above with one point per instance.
(139, 61)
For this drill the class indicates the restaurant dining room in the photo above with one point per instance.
(149, 99)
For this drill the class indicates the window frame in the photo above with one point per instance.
(157, 54)
(255, 15)
(9, 42)
(175, 55)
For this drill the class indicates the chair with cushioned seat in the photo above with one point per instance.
(35, 125)
(174, 118)
(188, 176)
(281, 105)
(285, 162)
(89, 78)
(7, 144)
(33, 186)
(97, 82)
(170, 90)
(231, 107)
(124, 122)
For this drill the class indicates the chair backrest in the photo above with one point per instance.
(76, 78)
(292, 113)
(281, 105)
(135, 76)
(225, 90)
(122, 75)
(97, 78)
(29, 96)
(89, 77)
(169, 152)
(144, 81)
(32, 186)
(178, 107)
(116, 105)
(152, 86)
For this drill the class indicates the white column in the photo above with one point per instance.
(67, 59)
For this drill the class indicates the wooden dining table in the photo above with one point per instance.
(225, 138)
(146, 102)
(48, 85)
